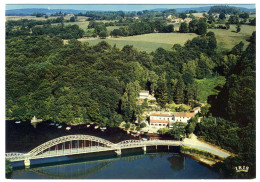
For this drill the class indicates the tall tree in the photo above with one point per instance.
(184, 28)
(179, 91)
(161, 93)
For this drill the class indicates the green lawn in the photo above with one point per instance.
(206, 87)
(83, 25)
(227, 39)
(147, 42)
(111, 28)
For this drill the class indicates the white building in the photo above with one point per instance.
(70, 15)
(166, 120)
(196, 110)
(183, 116)
(143, 94)
(161, 120)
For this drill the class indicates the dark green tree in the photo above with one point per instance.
(178, 130)
(103, 34)
(184, 28)
(179, 91)
(238, 28)
(222, 16)
(161, 92)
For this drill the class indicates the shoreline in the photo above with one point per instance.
(200, 158)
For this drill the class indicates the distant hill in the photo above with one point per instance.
(199, 9)
(158, 9)
(207, 8)
(29, 11)
(246, 10)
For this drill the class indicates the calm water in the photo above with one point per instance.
(133, 164)
(145, 166)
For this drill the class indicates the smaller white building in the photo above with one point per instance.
(183, 116)
(144, 94)
(196, 110)
(70, 15)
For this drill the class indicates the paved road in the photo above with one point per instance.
(195, 143)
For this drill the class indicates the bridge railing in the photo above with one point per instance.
(120, 145)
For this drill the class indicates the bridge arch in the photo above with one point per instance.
(68, 138)
(129, 143)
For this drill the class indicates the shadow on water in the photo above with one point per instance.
(86, 165)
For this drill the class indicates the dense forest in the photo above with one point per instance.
(54, 72)
(78, 83)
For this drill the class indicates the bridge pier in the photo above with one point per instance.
(118, 152)
(27, 163)
(144, 149)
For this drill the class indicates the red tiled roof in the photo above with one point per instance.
(155, 137)
(159, 121)
(196, 108)
(154, 114)
(184, 114)
(144, 91)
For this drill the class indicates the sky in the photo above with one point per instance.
(114, 7)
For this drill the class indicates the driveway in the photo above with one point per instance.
(195, 143)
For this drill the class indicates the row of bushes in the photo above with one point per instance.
(200, 152)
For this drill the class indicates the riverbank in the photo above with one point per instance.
(201, 156)
(202, 151)
(193, 142)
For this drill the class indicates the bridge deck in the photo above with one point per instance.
(93, 149)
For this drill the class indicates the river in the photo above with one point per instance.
(132, 164)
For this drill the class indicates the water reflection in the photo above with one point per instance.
(86, 169)
(177, 162)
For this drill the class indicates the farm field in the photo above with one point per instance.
(84, 24)
(206, 87)
(147, 42)
(32, 18)
(111, 28)
(227, 39)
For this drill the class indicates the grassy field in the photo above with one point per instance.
(147, 42)
(32, 18)
(227, 39)
(176, 26)
(252, 15)
(206, 87)
(198, 14)
(111, 28)
(83, 25)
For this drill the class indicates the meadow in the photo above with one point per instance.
(227, 39)
(207, 87)
(32, 18)
(146, 42)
